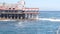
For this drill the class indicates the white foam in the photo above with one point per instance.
(48, 19)
(7, 20)
(19, 24)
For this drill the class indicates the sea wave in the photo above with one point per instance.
(45, 19)
(7, 20)
(49, 19)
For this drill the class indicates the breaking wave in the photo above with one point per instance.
(49, 19)
(20, 24)
(7, 20)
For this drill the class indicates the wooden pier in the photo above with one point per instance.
(17, 14)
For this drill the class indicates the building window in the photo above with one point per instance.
(9, 8)
(13, 8)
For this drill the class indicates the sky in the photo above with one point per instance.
(43, 5)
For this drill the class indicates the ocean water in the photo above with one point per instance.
(48, 22)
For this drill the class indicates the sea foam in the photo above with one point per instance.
(49, 19)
